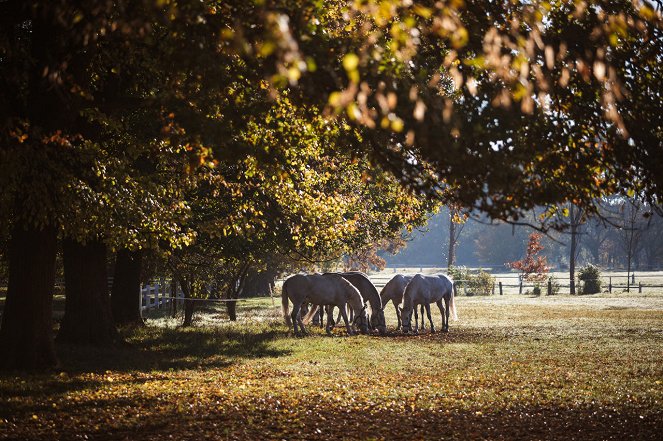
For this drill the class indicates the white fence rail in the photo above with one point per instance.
(159, 295)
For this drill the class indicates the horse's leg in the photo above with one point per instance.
(423, 324)
(301, 322)
(430, 319)
(446, 315)
(338, 317)
(294, 315)
(440, 305)
(330, 320)
(398, 315)
(416, 319)
(345, 319)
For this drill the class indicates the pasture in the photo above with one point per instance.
(586, 367)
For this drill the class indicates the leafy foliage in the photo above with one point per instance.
(532, 267)
(590, 276)
(480, 283)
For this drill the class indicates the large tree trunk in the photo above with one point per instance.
(125, 295)
(87, 317)
(26, 334)
(451, 258)
(235, 290)
(188, 287)
(572, 257)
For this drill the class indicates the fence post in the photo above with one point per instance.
(493, 292)
(610, 284)
(520, 287)
(640, 287)
(549, 287)
(633, 278)
(500, 288)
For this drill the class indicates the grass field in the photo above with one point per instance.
(512, 367)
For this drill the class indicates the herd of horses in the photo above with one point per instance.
(354, 290)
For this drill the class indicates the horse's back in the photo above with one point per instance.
(296, 283)
(365, 287)
(429, 288)
(395, 287)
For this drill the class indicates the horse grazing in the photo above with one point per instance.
(424, 290)
(393, 292)
(322, 289)
(369, 293)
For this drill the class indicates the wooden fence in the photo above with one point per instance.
(159, 294)
(512, 282)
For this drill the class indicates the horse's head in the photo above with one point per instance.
(361, 320)
(378, 321)
(406, 319)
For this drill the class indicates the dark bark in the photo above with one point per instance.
(572, 253)
(451, 258)
(87, 318)
(125, 295)
(173, 297)
(188, 287)
(234, 291)
(26, 334)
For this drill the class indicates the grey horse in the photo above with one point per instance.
(370, 294)
(322, 289)
(424, 290)
(393, 292)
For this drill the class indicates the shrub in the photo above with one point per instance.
(459, 274)
(554, 286)
(590, 276)
(480, 283)
(537, 290)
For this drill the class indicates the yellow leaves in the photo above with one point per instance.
(350, 64)
(459, 38)
(422, 11)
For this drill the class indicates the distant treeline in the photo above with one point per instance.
(603, 241)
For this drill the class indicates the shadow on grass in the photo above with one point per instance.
(153, 348)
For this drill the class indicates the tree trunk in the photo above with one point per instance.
(234, 291)
(451, 258)
(188, 289)
(26, 334)
(125, 295)
(173, 297)
(572, 253)
(87, 318)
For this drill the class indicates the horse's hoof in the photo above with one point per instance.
(445, 330)
(432, 331)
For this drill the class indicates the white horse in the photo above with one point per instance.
(393, 292)
(370, 294)
(424, 290)
(322, 289)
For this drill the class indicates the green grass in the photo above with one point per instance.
(513, 367)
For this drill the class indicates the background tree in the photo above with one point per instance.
(532, 267)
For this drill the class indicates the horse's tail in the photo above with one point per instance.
(284, 304)
(307, 318)
(452, 304)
